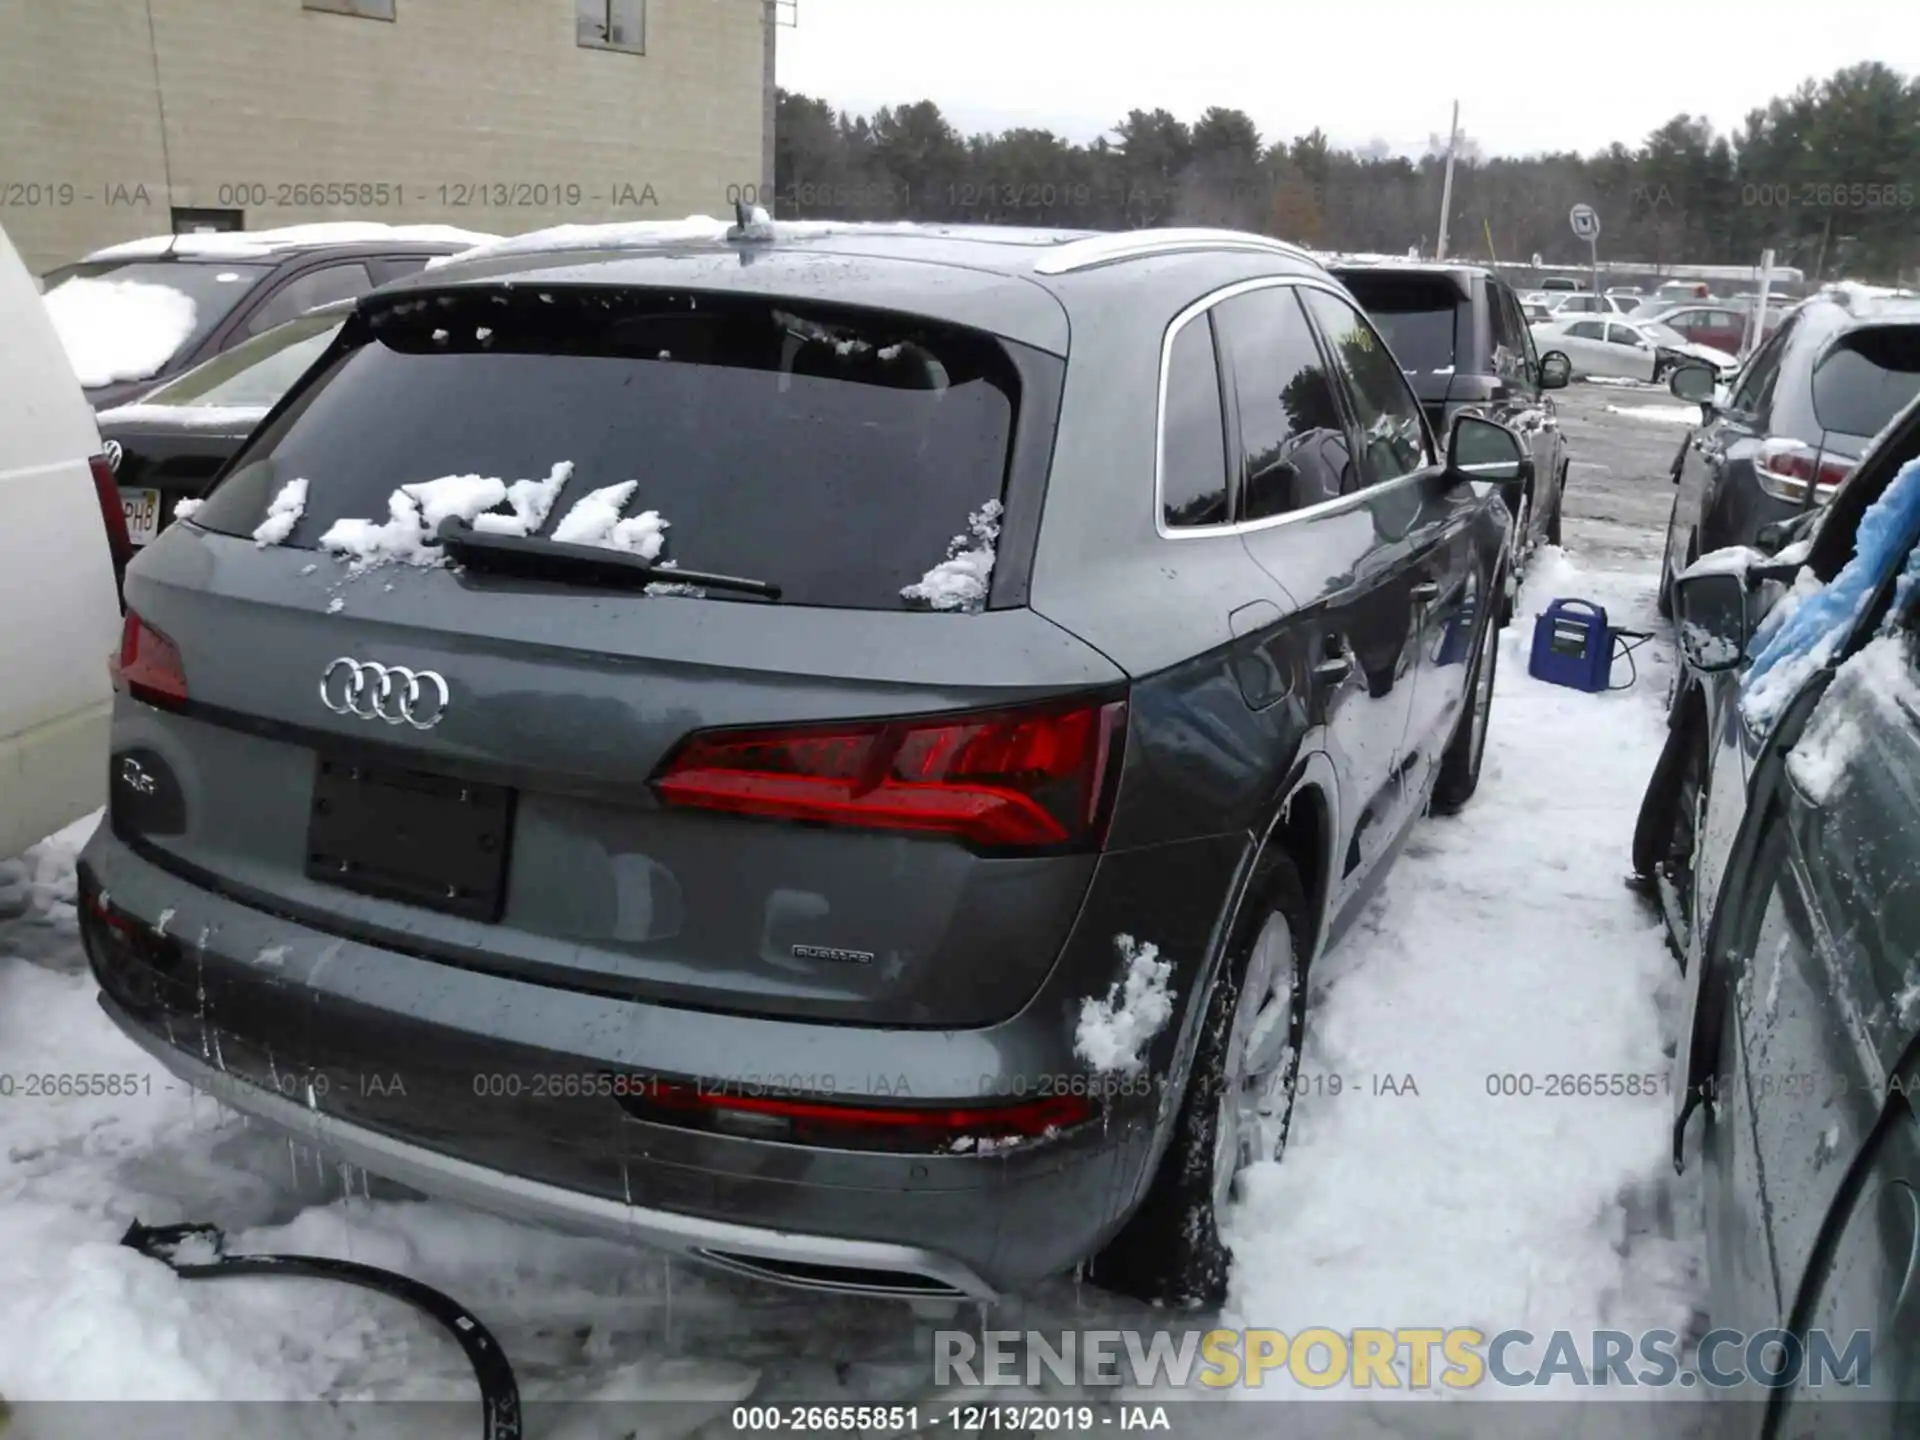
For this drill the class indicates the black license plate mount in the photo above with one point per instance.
(411, 836)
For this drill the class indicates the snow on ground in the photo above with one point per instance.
(1504, 944)
(1504, 951)
(1669, 414)
(118, 329)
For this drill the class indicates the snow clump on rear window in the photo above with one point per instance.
(1113, 1033)
(595, 519)
(282, 515)
(960, 581)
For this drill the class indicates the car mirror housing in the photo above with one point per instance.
(1694, 382)
(1712, 613)
(1482, 449)
(1556, 370)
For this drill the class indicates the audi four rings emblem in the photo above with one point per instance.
(392, 693)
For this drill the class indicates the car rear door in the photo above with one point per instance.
(1730, 438)
(1838, 1145)
(1331, 545)
(1427, 516)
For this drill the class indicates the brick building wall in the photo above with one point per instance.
(487, 114)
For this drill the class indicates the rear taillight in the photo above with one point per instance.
(147, 665)
(112, 512)
(1785, 468)
(732, 1109)
(1040, 777)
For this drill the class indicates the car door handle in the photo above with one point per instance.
(1426, 592)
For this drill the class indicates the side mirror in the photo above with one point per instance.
(1481, 449)
(1694, 382)
(1712, 613)
(1556, 370)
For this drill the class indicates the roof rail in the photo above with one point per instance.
(1122, 245)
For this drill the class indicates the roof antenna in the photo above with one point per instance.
(741, 217)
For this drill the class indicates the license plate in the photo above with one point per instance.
(404, 835)
(143, 514)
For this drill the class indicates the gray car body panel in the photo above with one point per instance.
(982, 967)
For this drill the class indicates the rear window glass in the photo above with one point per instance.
(255, 372)
(845, 456)
(1868, 378)
(1414, 315)
(108, 295)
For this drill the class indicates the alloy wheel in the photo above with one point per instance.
(1259, 1068)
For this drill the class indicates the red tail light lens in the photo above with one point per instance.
(112, 512)
(1786, 468)
(147, 665)
(895, 1128)
(1040, 777)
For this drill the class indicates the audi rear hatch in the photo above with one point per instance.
(654, 643)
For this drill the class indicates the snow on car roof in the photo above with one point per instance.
(245, 244)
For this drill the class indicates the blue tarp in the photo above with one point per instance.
(1816, 628)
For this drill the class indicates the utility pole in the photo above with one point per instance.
(1446, 186)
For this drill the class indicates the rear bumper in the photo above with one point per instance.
(450, 1178)
(443, 1078)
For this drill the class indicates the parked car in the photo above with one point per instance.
(1622, 348)
(134, 315)
(59, 528)
(1535, 311)
(1793, 425)
(1560, 282)
(1586, 304)
(802, 835)
(168, 446)
(1790, 772)
(1461, 340)
(1722, 327)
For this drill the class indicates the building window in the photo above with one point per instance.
(365, 9)
(189, 221)
(611, 24)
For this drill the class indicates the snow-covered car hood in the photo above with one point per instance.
(1719, 359)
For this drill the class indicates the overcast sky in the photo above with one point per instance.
(1360, 69)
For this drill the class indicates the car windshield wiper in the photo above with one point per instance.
(570, 564)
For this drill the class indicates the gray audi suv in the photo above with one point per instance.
(829, 753)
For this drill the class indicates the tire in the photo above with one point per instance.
(1666, 834)
(1459, 773)
(1553, 516)
(1516, 562)
(1171, 1252)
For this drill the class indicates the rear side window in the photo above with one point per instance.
(1756, 382)
(1415, 313)
(1293, 439)
(1193, 455)
(841, 455)
(1867, 378)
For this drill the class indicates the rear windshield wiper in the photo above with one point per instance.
(569, 564)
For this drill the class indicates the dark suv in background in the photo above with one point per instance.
(238, 283)
(1462, 338)
(888, 859)
(1800, 414)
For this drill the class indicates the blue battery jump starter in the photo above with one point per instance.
(1574, 646)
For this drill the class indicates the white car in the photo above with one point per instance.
(61, 531)
(1615, 346)
(1586, 303)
